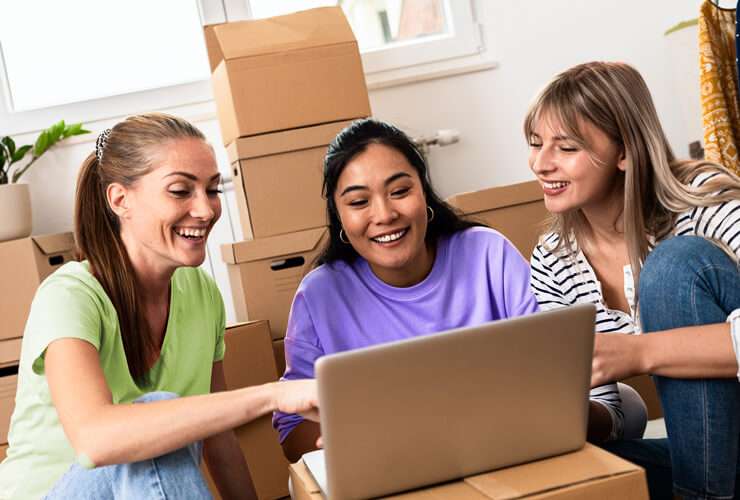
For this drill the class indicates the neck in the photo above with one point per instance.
(606, 219)
(153, 278)
(411, 275)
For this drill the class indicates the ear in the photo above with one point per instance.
(118, 199)
(622, 163)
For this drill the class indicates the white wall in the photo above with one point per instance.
(531, 40)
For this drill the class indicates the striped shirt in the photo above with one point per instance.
(567, 278)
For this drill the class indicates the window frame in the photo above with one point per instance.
(461, 51)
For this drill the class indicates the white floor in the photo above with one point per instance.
(655, 429)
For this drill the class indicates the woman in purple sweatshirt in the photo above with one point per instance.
(399, 263)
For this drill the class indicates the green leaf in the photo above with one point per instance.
(74, 129)
(681, 25)
(20, 153)
(55, 132)
(42, 143)
(9, 144)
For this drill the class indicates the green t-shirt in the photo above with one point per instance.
(71, 303)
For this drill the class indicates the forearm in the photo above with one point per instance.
(693, 352)
(155, 428)
(227, 466)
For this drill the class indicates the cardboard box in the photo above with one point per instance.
(585, 474)
(264, 274)
(517, 211)
(286, 72)
(3, 450)
(8, 384)
(250, 361)
(278, 346)
(278, 179)
(24, 263)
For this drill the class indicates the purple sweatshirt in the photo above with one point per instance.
(477, 276)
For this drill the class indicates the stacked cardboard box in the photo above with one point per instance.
(249, 361)
(24, 264)
(284, 88)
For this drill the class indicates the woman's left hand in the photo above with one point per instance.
(616, 356)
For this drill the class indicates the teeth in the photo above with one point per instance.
(190, 232)
(555, 185)
(387, 238)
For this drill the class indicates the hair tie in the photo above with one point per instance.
(100, 144)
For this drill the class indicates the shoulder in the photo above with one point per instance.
(326, 277)
(197, 287)
(546, 253)
(73, 279)
(194, 278)
(478, 237)
(702, 178)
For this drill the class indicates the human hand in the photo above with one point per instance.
(297, 396)
(616, 356)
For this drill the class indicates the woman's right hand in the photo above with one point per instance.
(297, 396)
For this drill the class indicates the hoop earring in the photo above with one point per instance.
(431, 213)
(343, 240)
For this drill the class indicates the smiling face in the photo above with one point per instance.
(167, 214)
(382, 208)
(573, 175)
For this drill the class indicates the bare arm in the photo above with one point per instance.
(692, 352)
(224, 455)
(301, 439)
(110, 433)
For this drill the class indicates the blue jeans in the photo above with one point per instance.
(174, 475)
(689, 281)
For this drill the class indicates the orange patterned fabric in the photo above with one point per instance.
(719, 92)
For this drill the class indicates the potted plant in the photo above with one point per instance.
(15, 198)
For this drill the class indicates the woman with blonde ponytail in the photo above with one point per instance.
(120, 382)
(630, 221)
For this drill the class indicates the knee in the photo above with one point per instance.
(675, 261)
(156, 396)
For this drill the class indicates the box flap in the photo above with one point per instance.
(54, 243)
(301, 30)
(212, 47)
(287, 140)
(557, 472)
(299, 472)
(272, 247)
(496, 197)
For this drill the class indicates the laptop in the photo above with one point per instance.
(435, 408)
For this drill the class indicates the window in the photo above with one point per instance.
(395, 34)
(94, 59)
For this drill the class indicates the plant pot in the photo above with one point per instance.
(15, 211)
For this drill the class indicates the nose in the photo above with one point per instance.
(383, 211)
(541, 160)
(204, 207)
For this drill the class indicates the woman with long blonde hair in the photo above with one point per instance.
(122, 349)
(654, 242)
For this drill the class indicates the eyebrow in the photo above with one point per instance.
(389, 180)
(555, 138)
(191, 176)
